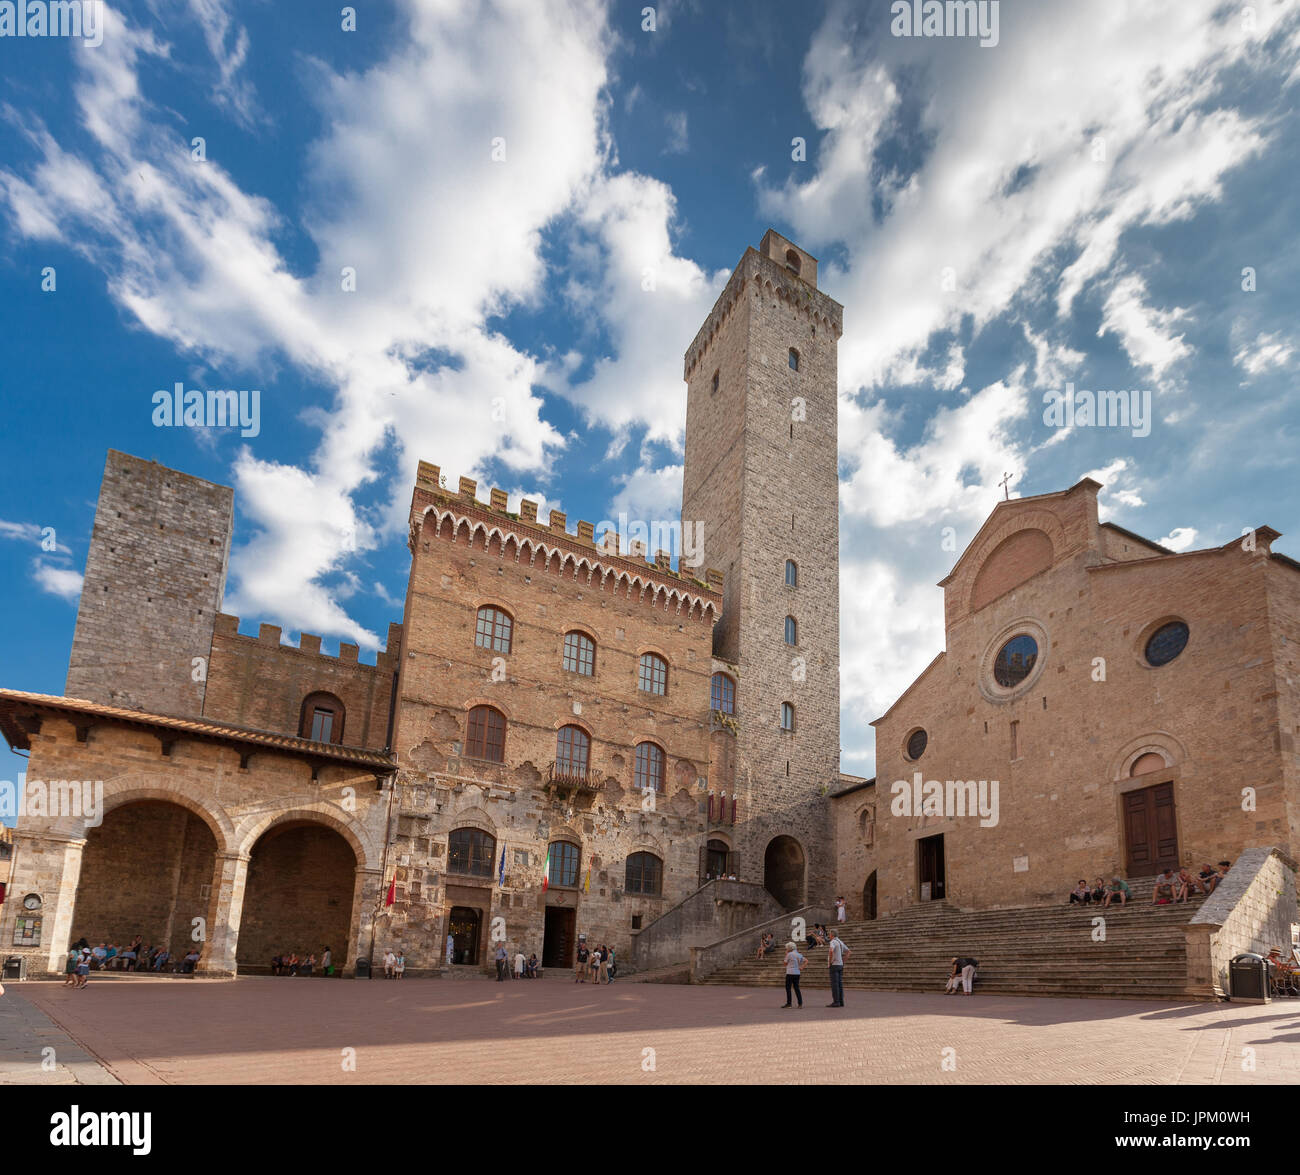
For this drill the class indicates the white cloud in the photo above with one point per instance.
(58, 581)
(1145, 332)
(1179, 539)
(1268, 350)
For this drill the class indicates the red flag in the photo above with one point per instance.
(392, 892)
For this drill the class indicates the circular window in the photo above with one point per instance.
(916, 744)
(1166, 643)
(1015, 661)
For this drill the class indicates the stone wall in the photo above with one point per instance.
(705, 960)
(1063, 745)
(154, 580)
(717, 910)
(262, 683)
(1251, 911)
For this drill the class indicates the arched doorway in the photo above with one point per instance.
(146, 870)
(783, 871)
(869, 898)
(301, 878)
(463, 926)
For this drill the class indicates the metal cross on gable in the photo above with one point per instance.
(1006, 479)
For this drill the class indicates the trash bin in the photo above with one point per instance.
(16, 967)
(362, 969)
(1248, 979)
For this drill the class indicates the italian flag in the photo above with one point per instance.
(546, 871)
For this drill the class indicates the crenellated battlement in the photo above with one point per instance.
(528, 534)
(268, 636)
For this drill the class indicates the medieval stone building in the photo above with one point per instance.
(559, 739)
(1103, 706)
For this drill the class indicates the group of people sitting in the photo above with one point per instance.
(1171, 886)
(296, 964)
(818, 936)
(136, 956)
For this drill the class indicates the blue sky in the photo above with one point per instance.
(1077, 203)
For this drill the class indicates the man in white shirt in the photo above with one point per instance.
(389, 960)
(835, 959)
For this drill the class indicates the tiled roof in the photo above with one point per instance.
(15, 703)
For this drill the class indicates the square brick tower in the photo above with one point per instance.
(155, 577)
(761, 477)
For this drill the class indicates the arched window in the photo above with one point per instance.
(564, 860)
(486, 734)
(471, 851)
(493, 630)
(579, 653)
(654, 674)
(791, 631)
(787, 716)
(723, 694)
(649, 767)
(572, 752)
(321, 719)
(791, 573)
(645, 874)
(794, 359)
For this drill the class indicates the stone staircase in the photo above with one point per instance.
(1036, 950)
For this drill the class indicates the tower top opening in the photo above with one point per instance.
(786, 253)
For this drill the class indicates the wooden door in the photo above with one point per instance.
(932, 871)
(558, 937)
(1150, 830)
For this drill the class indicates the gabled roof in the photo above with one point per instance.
(899, 700)
(18, 709)
(1000, 510)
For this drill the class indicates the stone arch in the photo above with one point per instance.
(369, 854)
(1159, 742)
(130, 789)
(784, 870)
(1017, 558)
(473, 815)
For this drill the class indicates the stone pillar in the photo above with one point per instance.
(47, 864)
(225, 911)
(367, 896)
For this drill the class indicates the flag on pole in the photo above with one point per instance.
(501, 873)
(546, 870)
(392, 892)
(586, 885)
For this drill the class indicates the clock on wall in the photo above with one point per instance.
(32, 902)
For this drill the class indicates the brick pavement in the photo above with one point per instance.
(273, 1030)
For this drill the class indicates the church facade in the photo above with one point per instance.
(1103, 706)
(561, 739)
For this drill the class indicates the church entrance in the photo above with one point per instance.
(558, 937)
(930, 859)
(463, 926)
(1150, 830)
(869, 898)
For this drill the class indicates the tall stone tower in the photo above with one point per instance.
(155, 577)
(761, 477)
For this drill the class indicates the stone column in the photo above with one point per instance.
(367, 896)
(225, 911)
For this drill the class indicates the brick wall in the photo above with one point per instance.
(259, 682)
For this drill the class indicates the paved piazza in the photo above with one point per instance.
(271, 1030)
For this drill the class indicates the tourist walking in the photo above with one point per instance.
(794, 962)
(836, 950)
(327, 962)
(613, 964)
(501, 962)
(583, 956)
(603, 975)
